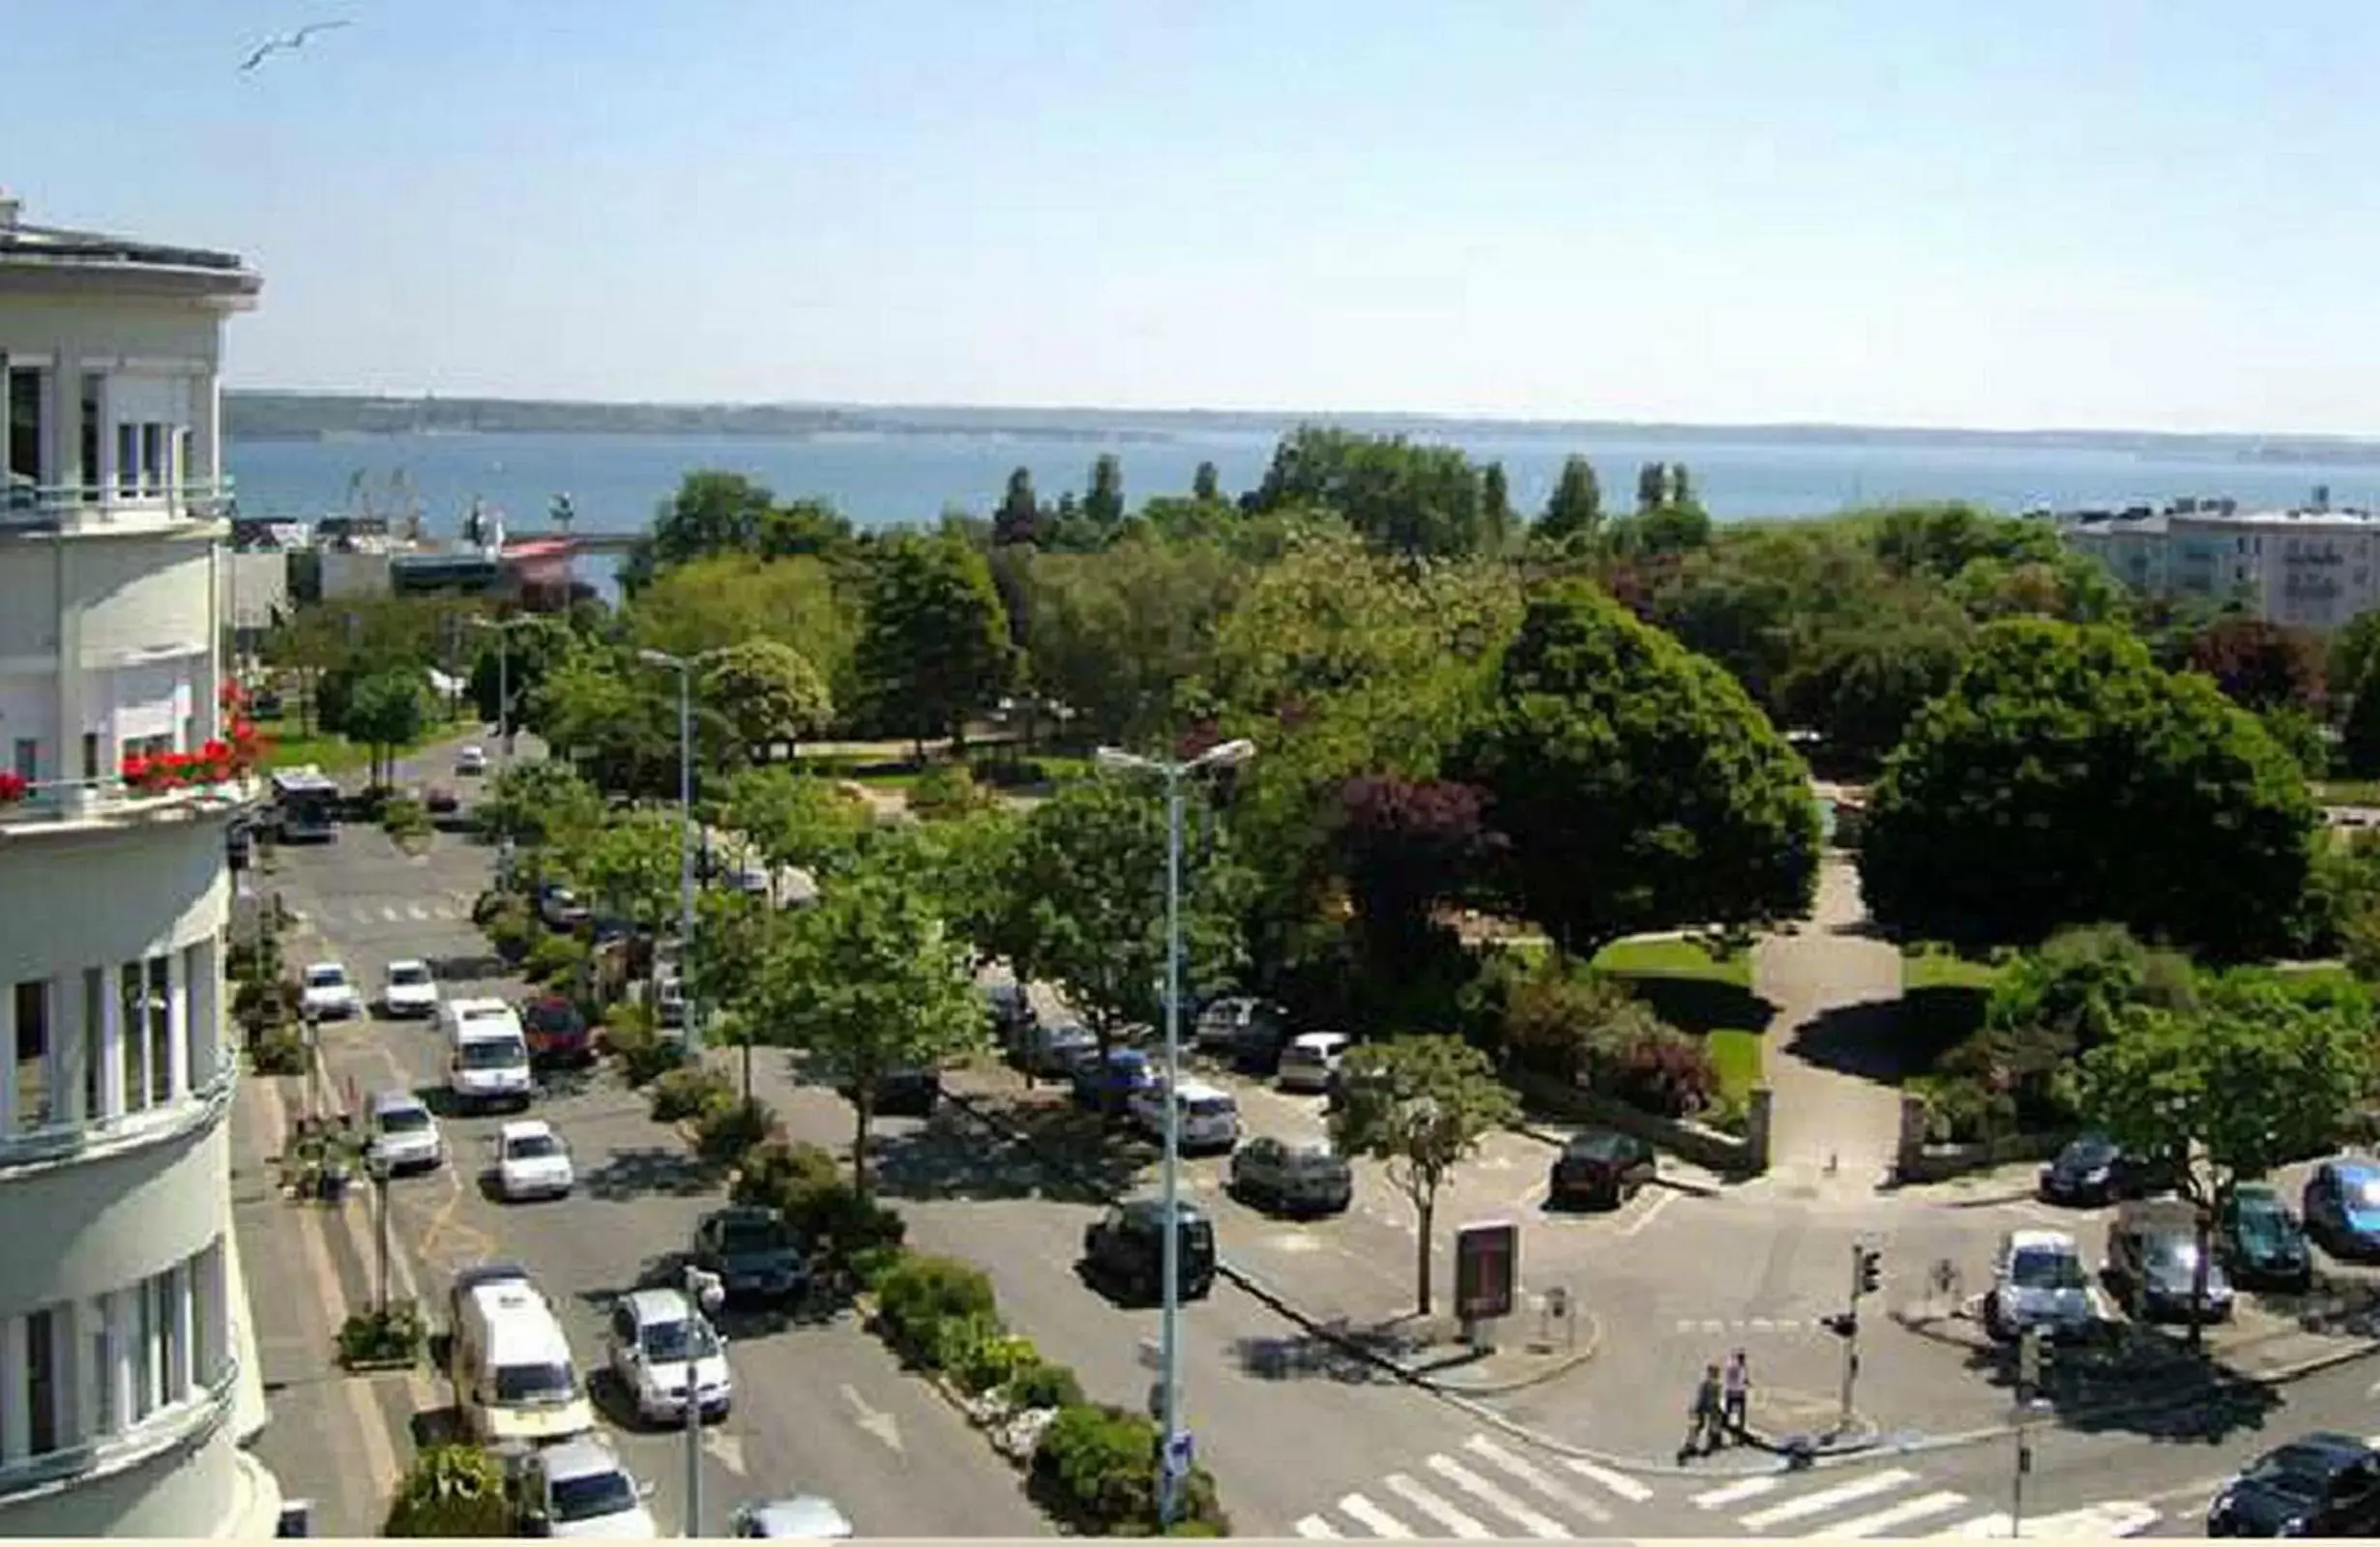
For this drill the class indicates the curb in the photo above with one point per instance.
(1698, 1190)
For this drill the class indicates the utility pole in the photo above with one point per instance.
(2028, 1383)
(1866, 1273)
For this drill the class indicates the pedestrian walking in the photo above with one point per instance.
(1702, 1431)
(1736, 1395)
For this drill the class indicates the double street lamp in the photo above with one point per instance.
(1173, 1466)
(503, 627)
(684, 666)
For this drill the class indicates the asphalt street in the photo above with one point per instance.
(819, 1408)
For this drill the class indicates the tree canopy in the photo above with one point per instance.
(767, 692)
(934, 647)
(1634, 785)
(1402, 496)
(2064, 779)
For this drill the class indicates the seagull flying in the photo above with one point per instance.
(289, 44)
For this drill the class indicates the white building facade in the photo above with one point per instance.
(129, 1384)
(2309, 569)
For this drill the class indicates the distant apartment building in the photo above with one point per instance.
(128, 1378)
(2315, 566)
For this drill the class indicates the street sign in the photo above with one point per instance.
(1486, 1269)
(1180, 1451)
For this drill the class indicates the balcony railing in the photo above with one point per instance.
(110, 798)
(53, 505)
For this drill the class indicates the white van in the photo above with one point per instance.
(487, 1055)
(515, 1378)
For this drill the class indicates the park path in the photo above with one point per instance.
(1829, 1125)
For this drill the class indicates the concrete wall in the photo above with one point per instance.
(111, 327)
(1918, 1161)
(1723, 1153)
(141, 597)
(205, 1478)
(255, 588)
(114, 896)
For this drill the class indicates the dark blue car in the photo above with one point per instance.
(1106, 1086)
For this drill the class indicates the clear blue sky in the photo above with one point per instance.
(1938, 211)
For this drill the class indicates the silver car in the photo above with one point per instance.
(807, 1517)
(403, 1134)
(2039, 1281)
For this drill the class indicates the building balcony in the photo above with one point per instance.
(75, 805)
(79, 507)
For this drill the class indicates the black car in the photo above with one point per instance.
(901, 1093)
(2262, 1243)
(1290, 1179)
(1124, 1249)
(2094, 1170)
(1600, 1166)
(2319, 1485)
(755, 1254)
(2153, 1263)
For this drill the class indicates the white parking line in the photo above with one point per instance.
(1383, 1523)
(388, 912)
(1885, 1522)
(1825, 1499)
(1543, 1481)
(416, 912)
(1619, 1482)
(1313, 1527)
(1735, 1493)
(1479, 1487)
(1436, 1508)
(2124, 1519)
(1649, 1213)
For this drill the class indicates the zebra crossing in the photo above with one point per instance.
(1896, 1502)
(1486, 1490)
(1484, 1481)
(448, 907)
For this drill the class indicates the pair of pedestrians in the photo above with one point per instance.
(1722, 1402)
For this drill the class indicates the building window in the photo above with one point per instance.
(93, 1044)
(152, 451)
(132, 1041)
(210, 1315)
(199, 998)
(160, 1006)
(33, 1412)
(128, 458)
(34, 1055)
(28, 759)
(89, 439)
(90, 754)
(27, 425)
(107, 1369)
(148, 1349)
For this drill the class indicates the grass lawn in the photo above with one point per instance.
(1735, 1058)
(2347, 792)
(1674, 959)
(1934, 968)
(334, 754)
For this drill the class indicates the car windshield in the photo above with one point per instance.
(1601, 1146)
(1208, 1106)
(493, 1053)
(410, 974)
(554, 1015)
(324, 977)
(532, 1147)
(405, 1120)
(522, 1384)
(2171, 1251)
(670, 1341)
(753, 1235)
(594, 1495)
(2045, 1268)
(2362, 1192)
(2092, 1152)
(2300, 1472)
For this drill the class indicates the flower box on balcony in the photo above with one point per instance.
(13, 787)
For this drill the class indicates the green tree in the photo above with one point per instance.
(1636, 785)
(1103, 506)
(1937, 541)
(1575, 514)
(452, 1490)
(2252, 1080)
(808, 604)
(2064, 779)
(1495, 498)
(537, 802)
(2259, 665)
(1117, 634)
(389, 710)
(2355, 650)
(517, 662)
(768, 692)
(1402, 497)
(1083, 902)
(1018, 519)
(1420, 1105)
(2360, 737)
(712, 512)
(1861, 687)
(630, 864)
(870, 980)
(798, 819)
(1206, 484)
(1651, 487)
(935, 647)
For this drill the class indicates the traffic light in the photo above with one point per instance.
(1872, 1270)
(1843, 1323)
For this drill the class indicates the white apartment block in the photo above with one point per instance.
(2311, 568)
(128, 1380)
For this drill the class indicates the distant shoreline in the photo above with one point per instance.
(276, 416)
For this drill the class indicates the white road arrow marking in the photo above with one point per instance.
(725, 1448)
(875, 1421)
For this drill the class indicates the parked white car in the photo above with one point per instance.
(531, 1162)
(471, 760)
(1309, 1060)
(410, 989)
(665, 1351)
(580, 1488)
(1210, 1119)
(326, 993)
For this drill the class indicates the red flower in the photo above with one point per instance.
(13, 787)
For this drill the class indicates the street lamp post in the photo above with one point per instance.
(684, 666)
(503, 627)
(704, 1293)
(1171, 1471)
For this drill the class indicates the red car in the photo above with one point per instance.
(557, 1032)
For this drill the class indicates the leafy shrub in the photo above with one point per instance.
(511, 929)
(453, 1489)
(919, 1292)
(871, 1266)
(1096, 1471)
(1659, 1069)
(996, 1360)
(725, 1135)
(1009, 773)
(401, 816)
(774, 1172)
(374, 1336)
(691, 1093)
(946, 790)
(278, 1050)
(644, 1055)
(806, 1185)
(554, 959)
(959, 1345)
(846, 1225)
(1042, 1384)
